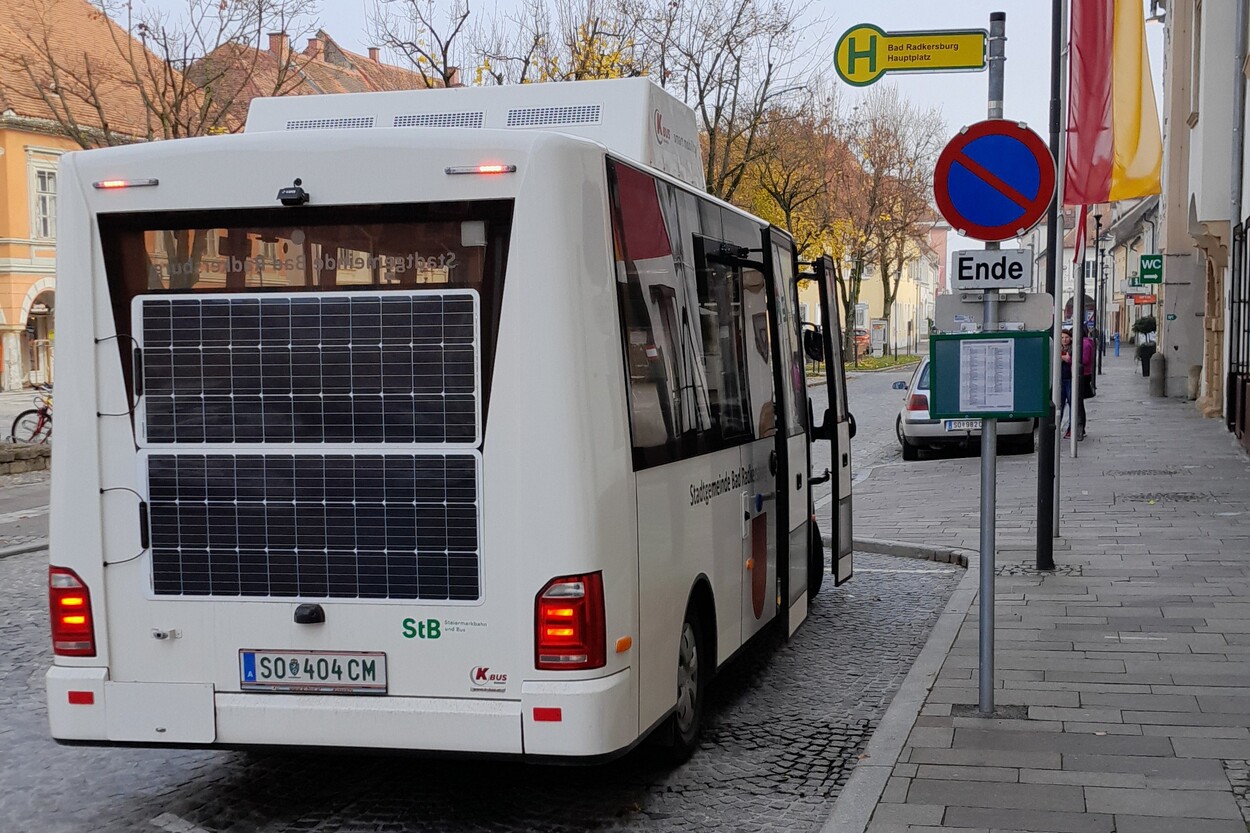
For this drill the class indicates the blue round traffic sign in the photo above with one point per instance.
(994, 181)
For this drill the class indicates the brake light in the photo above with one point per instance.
(69, 603)
(480, 169)
(917, 402)
(110, 184)
(569, 623)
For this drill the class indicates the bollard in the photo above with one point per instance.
(1158, 366)
(1195, 382)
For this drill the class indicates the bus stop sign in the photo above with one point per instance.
(994, 181)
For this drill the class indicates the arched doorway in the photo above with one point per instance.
(39, 338)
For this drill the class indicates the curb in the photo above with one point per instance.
(859, 798)
(924, 552)
(853, 369)
(22, 549)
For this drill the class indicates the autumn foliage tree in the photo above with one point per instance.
(189, 68)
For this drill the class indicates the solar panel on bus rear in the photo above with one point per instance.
(395, 526)
(326, 368)
(343, 371)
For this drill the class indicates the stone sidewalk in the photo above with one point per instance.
(1123, 677)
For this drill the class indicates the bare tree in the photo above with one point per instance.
(904, 142)
(192, 72)
(429, 37)
(733, 61)
(560, 40)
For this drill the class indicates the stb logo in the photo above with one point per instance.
(662, 134)
(483, 677)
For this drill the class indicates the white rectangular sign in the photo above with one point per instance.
(987, 375)
(1031, 311)
(991, 269)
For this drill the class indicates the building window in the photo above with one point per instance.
(43, 225)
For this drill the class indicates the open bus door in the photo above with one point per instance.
(788, 464)
(838, 425)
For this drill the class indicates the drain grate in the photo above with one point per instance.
(1166, 497)
(1144, 473)
(1070, 570)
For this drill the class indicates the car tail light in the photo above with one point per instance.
(73, 633)
(917, 402)
(569, 624)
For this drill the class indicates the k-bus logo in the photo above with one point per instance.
(662, 133)
(482, 678)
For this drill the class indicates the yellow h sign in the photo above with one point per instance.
(865, 52)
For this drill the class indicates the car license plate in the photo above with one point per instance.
(313, 672)
(963, 425)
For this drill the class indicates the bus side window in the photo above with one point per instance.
(649, 307)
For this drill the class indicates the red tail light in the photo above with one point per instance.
(917, 402)
(569, 624)
(73, 633)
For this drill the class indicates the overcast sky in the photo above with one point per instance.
(961, 96)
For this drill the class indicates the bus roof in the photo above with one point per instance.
(632, 117)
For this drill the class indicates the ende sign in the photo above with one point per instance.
(991, 269)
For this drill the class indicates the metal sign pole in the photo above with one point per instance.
(989, 427)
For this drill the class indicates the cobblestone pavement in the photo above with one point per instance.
(784, 728)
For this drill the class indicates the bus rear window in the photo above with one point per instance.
(436, 246)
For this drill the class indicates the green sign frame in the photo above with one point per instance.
(1031, 377)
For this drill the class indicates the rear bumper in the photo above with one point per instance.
(933, 431)
(574, 719)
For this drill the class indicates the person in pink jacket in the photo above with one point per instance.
(1065, 380)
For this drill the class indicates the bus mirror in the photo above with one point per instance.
(813, 344)
(851, 419)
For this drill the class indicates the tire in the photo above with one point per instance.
(815, 562)
(910, 452)
(26, 428)
(693, 670)
(1026, 444)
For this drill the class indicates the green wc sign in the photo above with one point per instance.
(1150, 269)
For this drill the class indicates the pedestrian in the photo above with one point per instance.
(1115, 342)
(1065, 382)
(1088, 377)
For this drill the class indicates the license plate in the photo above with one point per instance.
(963, 425)
(313, 672)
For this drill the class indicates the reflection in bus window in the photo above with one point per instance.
(684, 315)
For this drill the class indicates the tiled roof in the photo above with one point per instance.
(323, 67)
(78, 35)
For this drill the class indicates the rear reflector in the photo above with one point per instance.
(82, 698)
(569, 624)
(69, 605)
(547, 716)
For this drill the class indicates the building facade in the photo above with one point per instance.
(46, 110)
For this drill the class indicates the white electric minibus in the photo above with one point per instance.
(447, 420)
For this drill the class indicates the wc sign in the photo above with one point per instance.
(1150, 269)
(974, 269)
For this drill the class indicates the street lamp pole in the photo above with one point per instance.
(1100, 344)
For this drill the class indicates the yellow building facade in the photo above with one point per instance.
(28, 183)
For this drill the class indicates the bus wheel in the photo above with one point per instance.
(692, 676)
(815, 562)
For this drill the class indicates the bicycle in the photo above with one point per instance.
(35, 425)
